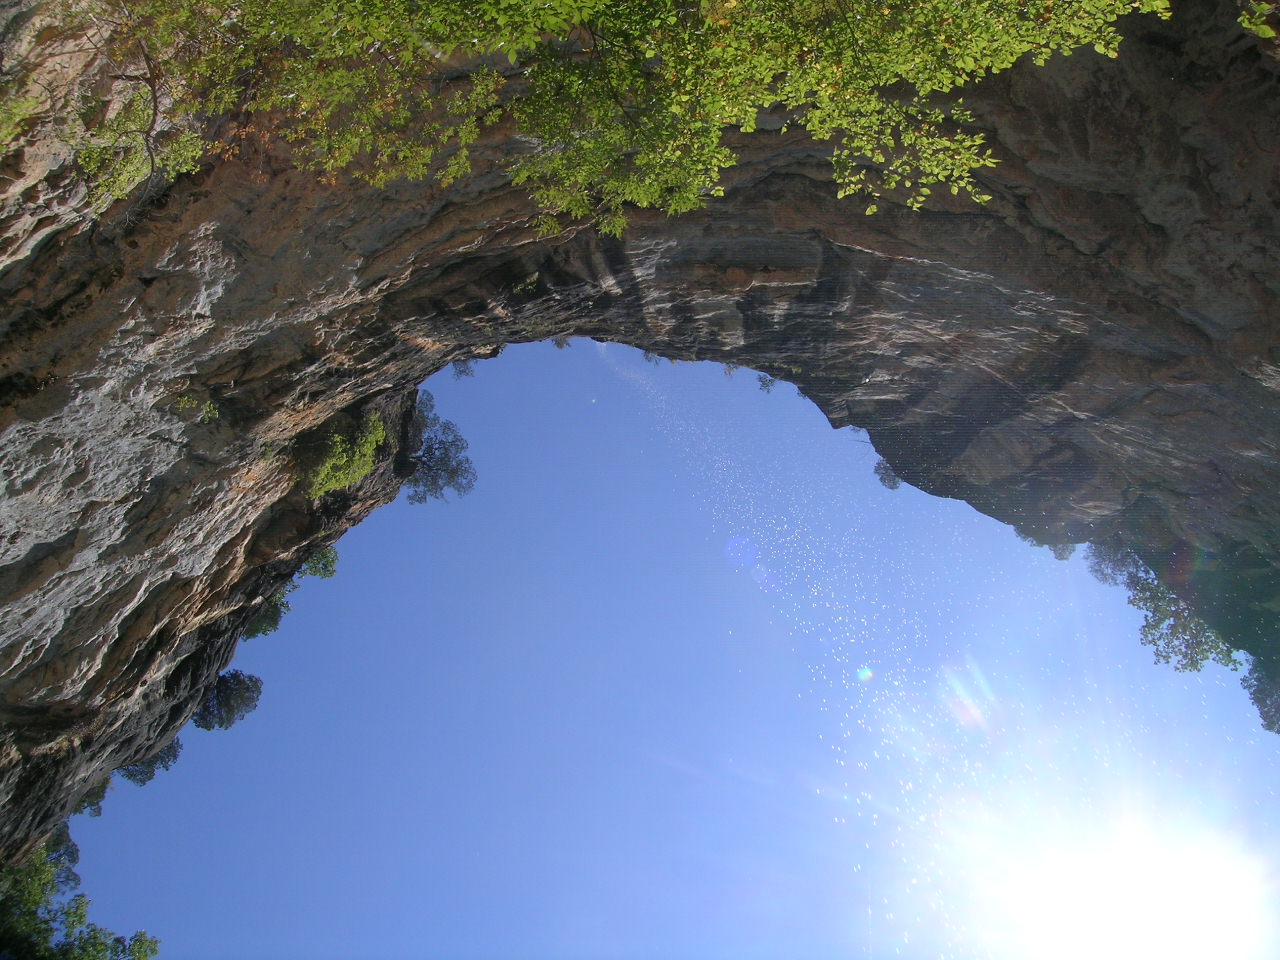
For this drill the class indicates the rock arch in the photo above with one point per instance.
(1092, 354)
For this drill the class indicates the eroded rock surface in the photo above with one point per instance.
(1095, 353)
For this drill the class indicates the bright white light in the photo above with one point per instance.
(1115, 892)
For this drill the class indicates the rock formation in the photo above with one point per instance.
(1095, 353)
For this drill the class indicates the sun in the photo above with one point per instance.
(1085, 887)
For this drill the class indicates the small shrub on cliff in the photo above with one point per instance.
(129, 147)
(1060, 550)
(323, 564)
(209, 411)
(348, 459)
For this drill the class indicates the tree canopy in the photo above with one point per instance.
(90, 803)
(231, 698)
(884, 473)
(269, 614)
(1177, 635)
(1262, 683)
(622, 102)
(441, 462)
(1170, 625)
(41, 918)
(144, 771)
(323, 563)
(1061, 550)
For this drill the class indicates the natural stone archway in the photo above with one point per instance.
(1093, 354)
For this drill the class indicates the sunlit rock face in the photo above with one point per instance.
(1095, 353)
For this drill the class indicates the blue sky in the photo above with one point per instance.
(681, 680)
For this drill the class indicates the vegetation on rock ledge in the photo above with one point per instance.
(348, 459)
(617, 103)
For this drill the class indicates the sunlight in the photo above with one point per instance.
(1139, 887)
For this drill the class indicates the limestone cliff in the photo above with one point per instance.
(1094, 353)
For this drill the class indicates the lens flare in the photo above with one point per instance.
(969, 696)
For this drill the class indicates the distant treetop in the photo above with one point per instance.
(884, 473)
(441, 462)
(1170, 625)
(231, 698)
(144, 771)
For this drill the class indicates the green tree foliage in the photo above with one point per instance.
(441, 462)
(624, 102)
(323, 563)
(64, 854)
(347, 459)
(144, 771)
(1060, 551)
(91, 803)
(42, 919)
(1169, 626)
(231, 698)
(16, 113)
(127, 148)
(1255, 16)
(1262, 683)
(267, 619)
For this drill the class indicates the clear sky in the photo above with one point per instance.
(680, 680)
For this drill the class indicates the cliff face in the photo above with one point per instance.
(1095, 353)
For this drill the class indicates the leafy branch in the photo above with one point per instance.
(618, 104)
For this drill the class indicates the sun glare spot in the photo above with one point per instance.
(1133, 890)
